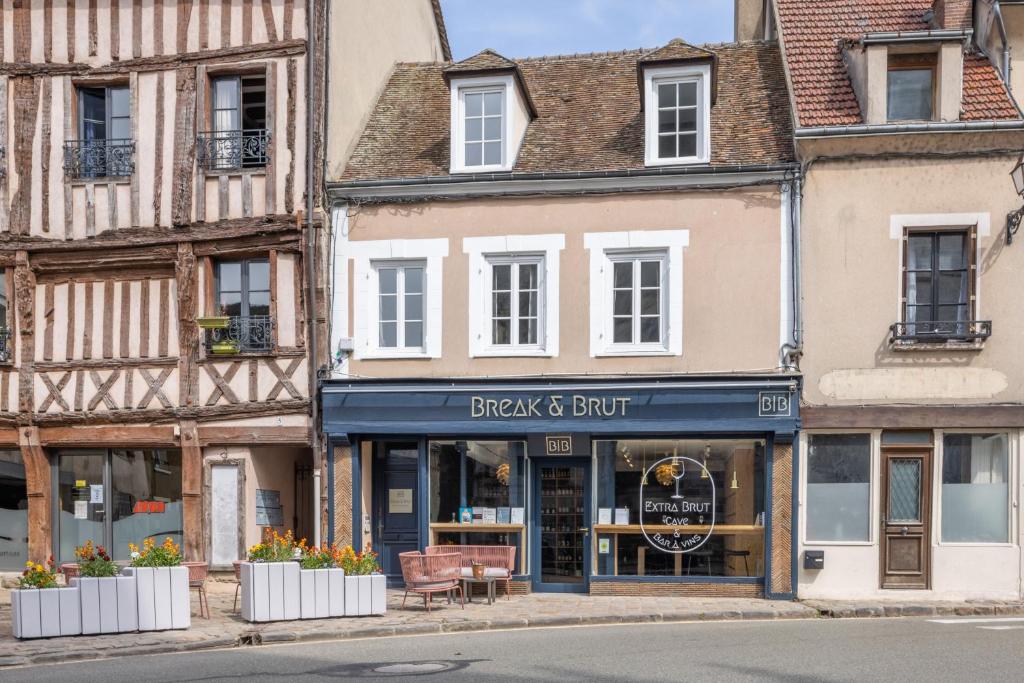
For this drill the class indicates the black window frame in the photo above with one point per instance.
(244, 284)
(933, 325)
(248, 332)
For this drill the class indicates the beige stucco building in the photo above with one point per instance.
(913, 398)
(562, 286)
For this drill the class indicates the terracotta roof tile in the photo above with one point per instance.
(813, 33)
(588, 116)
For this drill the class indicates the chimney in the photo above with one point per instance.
(956, 15)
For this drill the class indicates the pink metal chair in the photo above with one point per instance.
(197, 579)
(429, 574)
(237, 566)
(499, 561)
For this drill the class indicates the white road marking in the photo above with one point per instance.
(982, 620)
(1000, 628)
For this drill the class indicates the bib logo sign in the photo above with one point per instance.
(677, 505)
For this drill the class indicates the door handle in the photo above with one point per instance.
(584, 530)
(903, 531)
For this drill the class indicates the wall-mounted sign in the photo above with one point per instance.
(558, 445)
(400, 501)
(268, 508)
(775, 404)
(552, 405)
(677, 504)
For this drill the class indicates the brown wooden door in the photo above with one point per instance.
(906, 510)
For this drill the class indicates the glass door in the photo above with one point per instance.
(81, 501)
(562, 528)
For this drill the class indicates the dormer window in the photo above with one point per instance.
(677, 117)
(910, 94)
(483, 113)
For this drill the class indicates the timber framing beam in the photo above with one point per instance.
(228, 436)
(911, 417)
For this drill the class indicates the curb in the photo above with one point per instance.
(808, 610)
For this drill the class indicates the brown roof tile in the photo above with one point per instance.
(813, 33)
(485, 60)
(676, 49)
(588, 116)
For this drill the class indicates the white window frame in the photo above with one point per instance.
(607, 247)
(938, 455)
(636, 259)
(515, 315)
(459, 88)
(400, 320)
(483, 252)
(653, 77)
(367, 258)
(874, 441)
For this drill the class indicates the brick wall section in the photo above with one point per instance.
(782, 520)
(343, 495)
(704, 590)
(953, 14)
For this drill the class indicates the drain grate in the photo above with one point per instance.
(250, 639)
(413, 668)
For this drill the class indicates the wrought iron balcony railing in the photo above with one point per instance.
(5, 345)
(932, 331)
(99, 158)
(220, 150)
(240, 334)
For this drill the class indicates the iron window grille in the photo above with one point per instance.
(220, 150)
(5, 345)
(244, 334)
(99, 158)
(940, 331)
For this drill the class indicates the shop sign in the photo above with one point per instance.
(552, 405)
(677, 505)
(558, 445)
(143, 507)
(400, 501)
(775, 404)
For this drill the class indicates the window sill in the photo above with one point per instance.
(217, 172)
(911, 347)
(240, 354)
(978, 544)
(681, 161)
(513, 353)
(498, 168)
(838, 544)
(98, 180)
(394, 355)
(634, 351)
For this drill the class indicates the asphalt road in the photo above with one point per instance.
(818, 650)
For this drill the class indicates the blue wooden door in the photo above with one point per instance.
(396, 502)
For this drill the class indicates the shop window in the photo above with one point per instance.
(400, 291)
(975, 490)
(117, 497)
(238, 139)
(734, 547)
(838, 487)
(13, 512)
(911, 87)
(243, 296)
(104, 147)
(483, 477)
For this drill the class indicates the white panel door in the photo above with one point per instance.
(224, 514)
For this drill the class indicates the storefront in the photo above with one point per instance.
(606, 486)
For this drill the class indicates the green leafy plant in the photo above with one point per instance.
(324, 557)
(167, 554)
(38, 576)
(359, 564)
(94, 562)
(278, 549)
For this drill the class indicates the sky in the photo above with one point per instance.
(530, 28)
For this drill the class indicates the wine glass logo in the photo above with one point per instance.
(678, 471)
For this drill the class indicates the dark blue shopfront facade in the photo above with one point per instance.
(556, 427)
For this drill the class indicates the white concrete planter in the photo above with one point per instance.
(163, 597)
(270, 591)
(45, 612)
(322, 593)
(366, 594)
(109, 604)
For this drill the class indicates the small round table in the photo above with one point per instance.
(468, 581)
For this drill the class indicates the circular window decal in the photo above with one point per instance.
(677, 504)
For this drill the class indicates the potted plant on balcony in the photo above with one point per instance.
(161, 584)
(322, 582)
(109, 602)
(40, 608)
(270, 580)
(365, 585)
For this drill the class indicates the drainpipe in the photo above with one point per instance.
(792, 349)
(311, 267)
(1006, 43)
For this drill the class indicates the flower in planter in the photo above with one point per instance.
(94, 561)
(167, 554)
(278, 549)
(359, 564)
(38, 576)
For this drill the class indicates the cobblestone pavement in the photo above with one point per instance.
(225, 628)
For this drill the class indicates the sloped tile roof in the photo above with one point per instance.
(676, 49)
(481, 61)
(588, 116)
(813, 34)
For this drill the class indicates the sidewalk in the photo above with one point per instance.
(226, 629)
